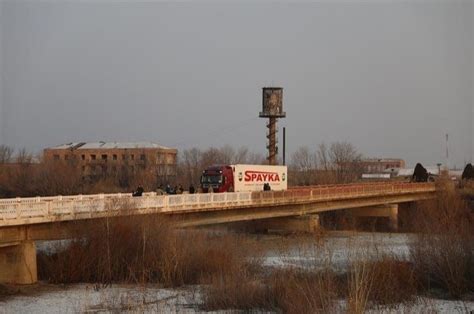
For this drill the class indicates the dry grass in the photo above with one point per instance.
(141, 250)
(144, 250)
(386, 281)
(288, 291)
(443, 253)
(295, 291)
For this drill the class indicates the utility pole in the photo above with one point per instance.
(447, 152)
(284, 146)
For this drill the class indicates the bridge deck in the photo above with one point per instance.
(26, 211)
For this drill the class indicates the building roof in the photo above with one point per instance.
(406, 172)
(109, 145)
(382, 160)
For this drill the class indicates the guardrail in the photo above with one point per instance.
(20, 211)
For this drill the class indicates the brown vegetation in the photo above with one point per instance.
(21, 175)
(367, 284)
(144, 250)
(141, 250)
(338, 163)
(443, 253)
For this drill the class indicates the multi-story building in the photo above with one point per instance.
(104, 159)
(379, 165)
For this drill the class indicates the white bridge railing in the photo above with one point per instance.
(21, 211)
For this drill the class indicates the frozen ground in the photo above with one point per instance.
(425, 305)
(131, 299)
(334, 249)
(85, 299)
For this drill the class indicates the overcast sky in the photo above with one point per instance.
(391, 77)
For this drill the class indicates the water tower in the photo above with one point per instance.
(272, 108)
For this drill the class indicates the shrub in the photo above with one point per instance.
(443, 252)
(141, 250)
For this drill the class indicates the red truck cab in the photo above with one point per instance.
(219, 177)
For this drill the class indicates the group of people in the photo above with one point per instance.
(177, 189)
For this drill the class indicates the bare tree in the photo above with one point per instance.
(24, 157)
(346, 161)
(211, 156)
(226, 155)
(191, 165)
(323, 157)
(303, 166)
(241, 155)
(6, 153)
(256, 159)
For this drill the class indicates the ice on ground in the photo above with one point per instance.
(427, 305)
(334, 250)
(338, 249)
(84, 298)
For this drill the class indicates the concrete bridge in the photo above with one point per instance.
(25, 220)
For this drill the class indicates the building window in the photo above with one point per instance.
(169, 159)
(132, 168)
(159, 158)
(132, 157)
(83, 157)
(114, 168)
(123, 157)
(114, 156)
(93, 157)
(93, 168)
(66, 157)
(83, 168)
(56, 157)
(104, 157)
(142, 157)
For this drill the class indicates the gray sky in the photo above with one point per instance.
(391, 77)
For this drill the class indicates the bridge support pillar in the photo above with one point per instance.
(390, 211)
(18, 263)
(393, 217)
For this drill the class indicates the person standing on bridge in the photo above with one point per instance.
(139, 191)
(159, 190)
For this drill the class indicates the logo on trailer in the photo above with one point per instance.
(261, 176)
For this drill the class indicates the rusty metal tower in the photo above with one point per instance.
(272, 108)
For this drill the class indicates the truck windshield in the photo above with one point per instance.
(211, 179)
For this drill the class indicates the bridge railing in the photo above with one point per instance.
(42, 209)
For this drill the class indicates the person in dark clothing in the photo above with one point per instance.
(139, 191)
(468, 173)
(191, 189)
(267, 187)
(160, 190)
(168, 189)
(420, 174)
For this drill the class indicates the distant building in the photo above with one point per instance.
(102, 159)
(380, 165)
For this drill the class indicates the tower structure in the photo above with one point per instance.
(272, 108)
